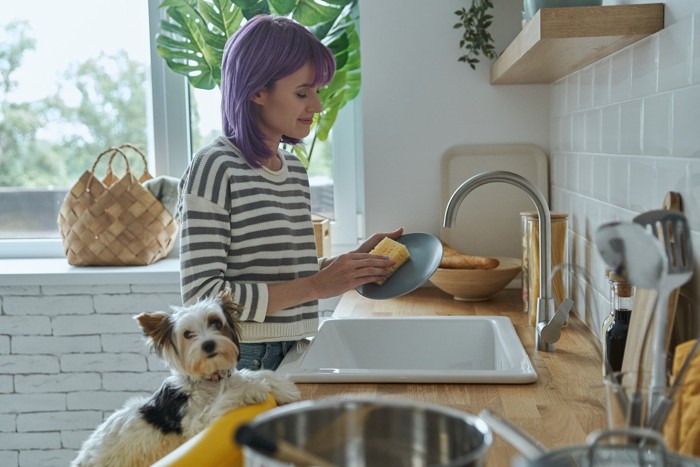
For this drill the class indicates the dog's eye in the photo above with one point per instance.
(188, 334)
(216, 324)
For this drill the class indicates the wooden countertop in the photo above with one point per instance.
(565, 404)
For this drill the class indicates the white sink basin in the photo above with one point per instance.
(440, 349)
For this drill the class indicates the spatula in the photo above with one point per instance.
(643, 311)
(672, 230)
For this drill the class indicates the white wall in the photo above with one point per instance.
(418, 101)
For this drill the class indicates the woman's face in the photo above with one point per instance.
(289, 107)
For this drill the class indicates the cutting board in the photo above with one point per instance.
(488, 220)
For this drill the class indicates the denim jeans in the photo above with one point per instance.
(263, 355)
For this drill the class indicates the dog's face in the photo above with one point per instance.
(199, 341)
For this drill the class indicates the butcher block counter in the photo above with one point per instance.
(565, 404)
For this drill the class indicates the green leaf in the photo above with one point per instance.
(283, 7)
(310, 13)
(252, 8)
(194, 32)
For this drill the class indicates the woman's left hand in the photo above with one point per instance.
(372, 241)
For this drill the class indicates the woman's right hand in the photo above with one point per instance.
(349, 271)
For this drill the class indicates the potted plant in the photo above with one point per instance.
(476, 38)
(193, 34)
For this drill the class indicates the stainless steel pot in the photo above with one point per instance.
(631, 447)
(375, 432)
(637, 448)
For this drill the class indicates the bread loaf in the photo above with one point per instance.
(396, 251)
(453, 259)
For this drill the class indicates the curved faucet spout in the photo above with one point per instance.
(545, 302)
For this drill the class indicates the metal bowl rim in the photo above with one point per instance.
(473, 420)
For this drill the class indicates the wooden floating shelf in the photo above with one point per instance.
(559, 41)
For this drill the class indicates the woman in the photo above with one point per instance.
(245, 203)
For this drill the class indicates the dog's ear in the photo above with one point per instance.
(230, 307)
(232, 312)
(158, 327)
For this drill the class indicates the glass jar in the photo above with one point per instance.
(530, 225)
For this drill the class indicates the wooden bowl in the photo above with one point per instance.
(476, 284)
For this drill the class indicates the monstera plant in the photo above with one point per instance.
(193, 34)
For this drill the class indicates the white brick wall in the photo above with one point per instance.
(69, 356)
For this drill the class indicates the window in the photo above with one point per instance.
(71, 88)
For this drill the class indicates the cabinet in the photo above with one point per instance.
(560, 41)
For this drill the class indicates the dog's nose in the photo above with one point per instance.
(209, 346)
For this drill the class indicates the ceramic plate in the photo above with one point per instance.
(426, 252)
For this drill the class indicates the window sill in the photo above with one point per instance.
(57, 271)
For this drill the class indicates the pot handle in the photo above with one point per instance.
(528, 446)
(638, 438)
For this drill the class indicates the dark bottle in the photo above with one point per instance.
(616, 332)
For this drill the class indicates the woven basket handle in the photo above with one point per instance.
(145, 175)
(113, 152)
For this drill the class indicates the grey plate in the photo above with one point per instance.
(426, 253)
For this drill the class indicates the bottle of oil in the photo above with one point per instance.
(622, 295)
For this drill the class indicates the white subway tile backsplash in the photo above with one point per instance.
(686, 122)
(691, 201)
(695, 47)
(642, 139)
(601, 82)
(619, 176)
(644, 67)
(656, 129)
(640, 182)
(585, 88)
(631, 127)
(558, 94)
(610, 129)
(585, 174)
(578, 130)
(593, 131)
(600, 177)
(572, 91)
(674, 55)
(620, 75)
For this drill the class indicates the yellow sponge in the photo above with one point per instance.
(396, 251)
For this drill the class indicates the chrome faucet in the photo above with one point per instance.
(549, 322)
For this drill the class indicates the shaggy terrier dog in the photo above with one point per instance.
(200, 344)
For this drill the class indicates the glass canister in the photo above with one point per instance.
(531, 260)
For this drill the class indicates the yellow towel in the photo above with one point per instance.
(682, 429)
(215, 446)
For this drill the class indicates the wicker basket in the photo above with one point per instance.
(115, 221)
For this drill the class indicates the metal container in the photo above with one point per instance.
(375, 432)
(642, 448)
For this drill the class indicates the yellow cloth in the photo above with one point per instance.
(682, 428)
(216, 446)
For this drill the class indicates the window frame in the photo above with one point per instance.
(170, 144)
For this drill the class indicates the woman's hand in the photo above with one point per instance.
(350, 270)
(355, 268)
(372, 241)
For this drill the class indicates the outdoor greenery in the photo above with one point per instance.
(52, 141)
(194, 34)
(476, 38)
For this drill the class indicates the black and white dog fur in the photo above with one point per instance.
(200, 344)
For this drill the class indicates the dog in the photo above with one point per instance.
(200, 344)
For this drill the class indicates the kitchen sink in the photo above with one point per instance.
(421, 349)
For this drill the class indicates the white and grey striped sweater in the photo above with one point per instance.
(247, 227)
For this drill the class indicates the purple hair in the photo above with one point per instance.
(263, 51)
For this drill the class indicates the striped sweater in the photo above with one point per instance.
(244, 227)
